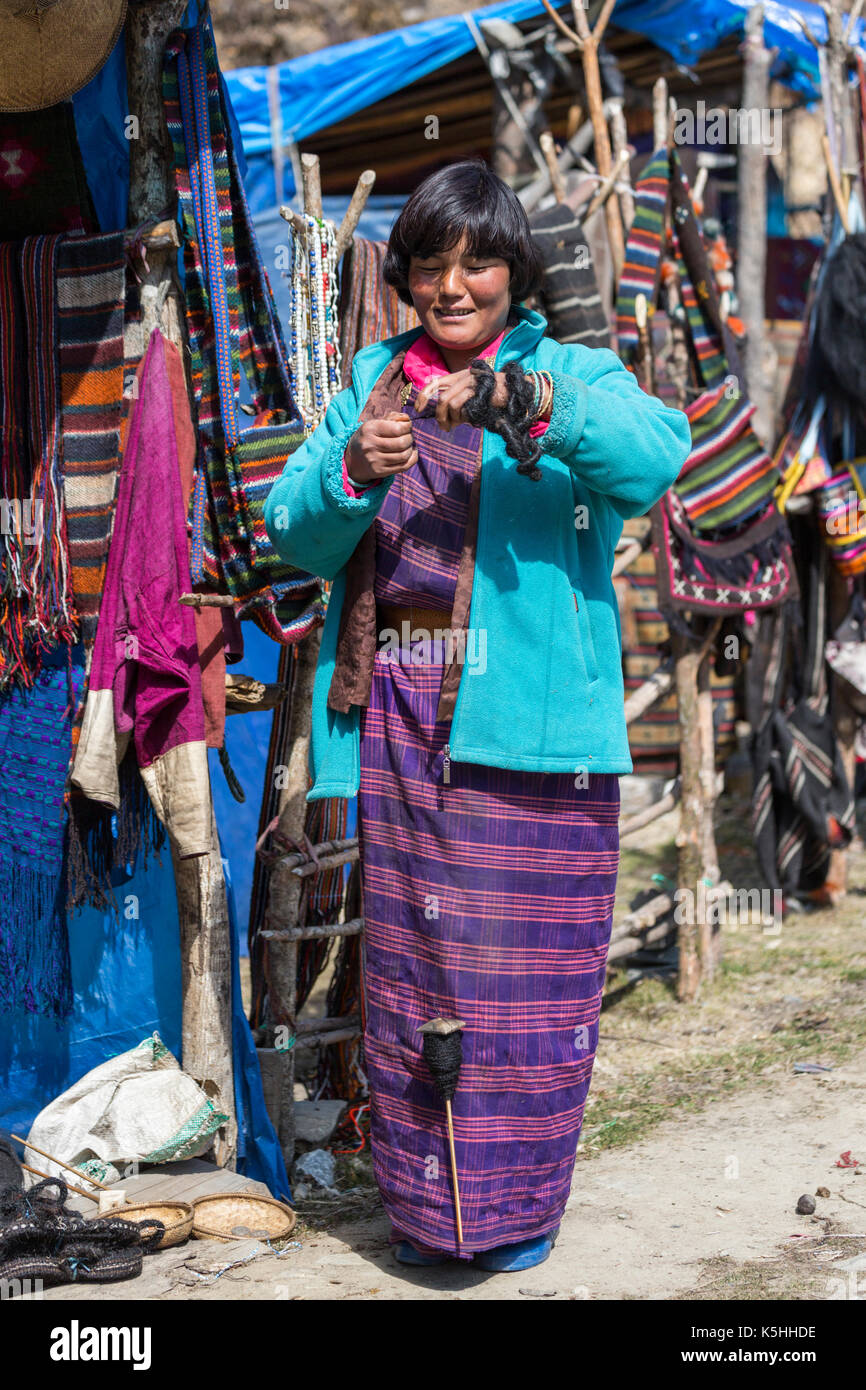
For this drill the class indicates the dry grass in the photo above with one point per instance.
(776, 999)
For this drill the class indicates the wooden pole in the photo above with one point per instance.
(689, 847)
(838, 55)
(548, 149)
(835, 185)
(451, 1150)
(630, 824)
(205, 950)
(696, 861)
(606, 187)
(660, 113)
(595, 102)
(572, 154)
(312, 181)
(709, 936)
(587, 42)
(752, 223)
(621, 156)
(201, 894)
(645, 357)
(285, 888)
(60, 1163)
(357, 203)
(654, 688)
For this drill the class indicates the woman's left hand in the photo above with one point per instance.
(451, 393)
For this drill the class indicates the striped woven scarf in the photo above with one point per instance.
(232, 323)
(643, 249)
(569, 291)
(370, 309)
(36, 605)
(728, 475)
(90, 299)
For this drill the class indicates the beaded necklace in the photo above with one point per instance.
(314, 348)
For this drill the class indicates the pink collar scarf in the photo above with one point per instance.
(424, 360)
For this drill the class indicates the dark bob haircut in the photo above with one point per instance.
(463, 199)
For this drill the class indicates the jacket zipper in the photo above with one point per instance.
(446, 751)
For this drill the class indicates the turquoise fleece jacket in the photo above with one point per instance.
(541, 687)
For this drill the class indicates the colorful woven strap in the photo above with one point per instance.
(643, 250)
(90, 316)
(214, 222)
(643, 256)
(37, 605)
(728, 476)
(232, 324)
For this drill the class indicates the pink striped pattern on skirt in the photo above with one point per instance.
(487, 899)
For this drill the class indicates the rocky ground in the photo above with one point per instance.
(250, 32)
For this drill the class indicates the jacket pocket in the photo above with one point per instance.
(584, 633)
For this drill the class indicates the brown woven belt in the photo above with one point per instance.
(429, 620)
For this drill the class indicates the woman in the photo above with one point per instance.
(469, 689)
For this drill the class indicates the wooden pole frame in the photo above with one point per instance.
(201, 891)
(587, 43)
(752, 229)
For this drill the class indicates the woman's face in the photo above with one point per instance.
(461, 300)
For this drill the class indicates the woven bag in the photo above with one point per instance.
(841, 503)
(752, 568)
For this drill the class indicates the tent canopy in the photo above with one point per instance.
(312, 94)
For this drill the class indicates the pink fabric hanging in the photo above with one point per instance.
(145, 681)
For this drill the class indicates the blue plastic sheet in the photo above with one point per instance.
(259, 1153)
(126, 979)
(319, 89)
(100, 110)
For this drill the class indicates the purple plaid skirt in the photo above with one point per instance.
(487, 898)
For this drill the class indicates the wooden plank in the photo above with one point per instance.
(177, 1182)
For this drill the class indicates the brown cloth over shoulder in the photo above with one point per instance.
(356, 641)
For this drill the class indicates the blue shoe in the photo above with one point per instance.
(523, 1254)
(406, 1254)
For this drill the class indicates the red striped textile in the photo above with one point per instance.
(90, 305)
(36, 607)
(643, 249)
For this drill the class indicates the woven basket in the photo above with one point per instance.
(177, 1217)
(233, 1215)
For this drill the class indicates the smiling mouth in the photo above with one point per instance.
(453, 313)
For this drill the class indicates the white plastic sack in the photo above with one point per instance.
(137, 1107)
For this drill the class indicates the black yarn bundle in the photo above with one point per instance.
(837, 361)
(11, 1174)
(513, 420)
(42, 1240)
(443, 1053)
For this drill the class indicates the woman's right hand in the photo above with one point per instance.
(380, 448)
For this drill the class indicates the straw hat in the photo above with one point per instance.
(50, 49)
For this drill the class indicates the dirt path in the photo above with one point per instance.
(699, 1136)
(702, 1207)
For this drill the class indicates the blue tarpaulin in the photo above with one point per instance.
(126, 978)
(319, 89)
